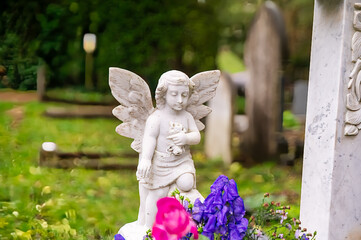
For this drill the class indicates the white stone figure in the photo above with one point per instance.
(162, 135)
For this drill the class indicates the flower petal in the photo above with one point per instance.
(118, 237)
(219, 183)
(159, 233)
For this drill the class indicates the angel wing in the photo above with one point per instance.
(133, 94)
(205, 84)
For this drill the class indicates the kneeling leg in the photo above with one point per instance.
(185, 182)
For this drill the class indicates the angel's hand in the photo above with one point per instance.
(143, 169)
(179, 139)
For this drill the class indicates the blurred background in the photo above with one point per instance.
(52, 90)
(147, 38)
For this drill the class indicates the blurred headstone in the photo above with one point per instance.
(264, 51)
(80, 111)
(299, 102)
(218, 135)
(331, 176)
(241, 123)
(50, 156)
(240, 80)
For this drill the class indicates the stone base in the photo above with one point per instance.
(192, 194)
(133, 231)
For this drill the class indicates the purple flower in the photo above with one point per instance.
(297, 233)
(222, 211)
(186, 206)
(242, 226)
(210, 235)
(118, 237)
(222, 215)
(219, 183)
(238, 209)
(304, 237)
(213, 199)
(230, 191)
(288, 226)
(198, 211)
(234, 233)
(284, 217)
(211, 224)
(222, 229)
(187, 237)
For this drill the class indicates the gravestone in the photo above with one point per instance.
(51, 156)
(331, 181)
(218, 135)
(299, 102)
(264, 51)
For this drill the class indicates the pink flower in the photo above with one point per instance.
(172, 222)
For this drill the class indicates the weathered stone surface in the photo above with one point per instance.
(162, 135)
(299, 102)
(331, 192)
(219, 123)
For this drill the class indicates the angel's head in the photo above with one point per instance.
(174, 88)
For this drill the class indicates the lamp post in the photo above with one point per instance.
(89, 45)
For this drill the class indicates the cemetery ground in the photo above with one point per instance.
(49, 203)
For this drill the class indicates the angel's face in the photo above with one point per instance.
(177, 96)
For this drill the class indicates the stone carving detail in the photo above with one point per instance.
(162, 135)
(173, 148)
(353, 98)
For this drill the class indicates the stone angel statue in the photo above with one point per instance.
(162, 135)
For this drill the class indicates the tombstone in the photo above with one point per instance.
(265, 48)
(300, 99)
(331, 181)
(218, 135)
(50, 156)
(80, 111)
(240, 80)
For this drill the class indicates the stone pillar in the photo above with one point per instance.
(218, 133)
(331, 181)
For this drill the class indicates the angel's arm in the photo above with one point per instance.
(192, 137)
(149, 143)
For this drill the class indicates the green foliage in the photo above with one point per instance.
(51, 203)
(149, 37)
(272, 220)
(46, 203)
(240, 105)
(80, 95)
(229, 62)
(20, 70)
(290, 121)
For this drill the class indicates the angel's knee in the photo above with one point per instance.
(185, 182)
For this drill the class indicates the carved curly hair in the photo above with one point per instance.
(171, 77)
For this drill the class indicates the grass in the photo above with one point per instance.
(47, 203)
(80, 95)
(229, 62)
